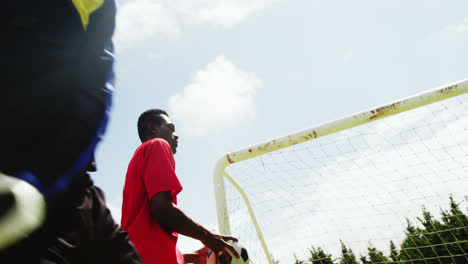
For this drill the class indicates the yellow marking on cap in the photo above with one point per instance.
(86, 8)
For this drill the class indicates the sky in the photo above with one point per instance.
(233, 73)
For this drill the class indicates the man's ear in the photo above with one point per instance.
(153, 129)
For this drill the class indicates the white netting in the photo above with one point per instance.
(359, 185)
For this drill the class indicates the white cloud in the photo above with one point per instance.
(220, 96)
(152, 56)
(348, 55)
(139, 20)
(226, 13)
(460, 28)
(463, 27)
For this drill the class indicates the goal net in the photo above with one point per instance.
(356, 181)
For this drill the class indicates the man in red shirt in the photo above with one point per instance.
(149, 210)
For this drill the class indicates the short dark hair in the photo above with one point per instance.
(151, 115)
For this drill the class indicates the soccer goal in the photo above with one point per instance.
(386, 175)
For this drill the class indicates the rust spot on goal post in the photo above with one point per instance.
(265, 147)
(310, 135)
(449, 89)
(377, 113)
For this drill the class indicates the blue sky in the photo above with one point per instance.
(232, 73)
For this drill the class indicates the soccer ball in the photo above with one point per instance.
(241, 250)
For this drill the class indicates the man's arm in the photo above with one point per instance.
(171, 218)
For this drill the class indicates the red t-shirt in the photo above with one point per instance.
(150, 171)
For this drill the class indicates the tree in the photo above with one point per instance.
(297, 261)
(376, 256)
(443, 241)
(318, 256)
(274, 260)
(347, 255)
(393, 252)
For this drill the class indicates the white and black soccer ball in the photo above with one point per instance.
(241, 250)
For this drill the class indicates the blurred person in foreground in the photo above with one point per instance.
(57, 85)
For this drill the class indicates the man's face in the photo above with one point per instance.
(167, 132)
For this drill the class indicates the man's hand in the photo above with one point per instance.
(217, 243)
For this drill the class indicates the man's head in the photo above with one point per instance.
(155, 123)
